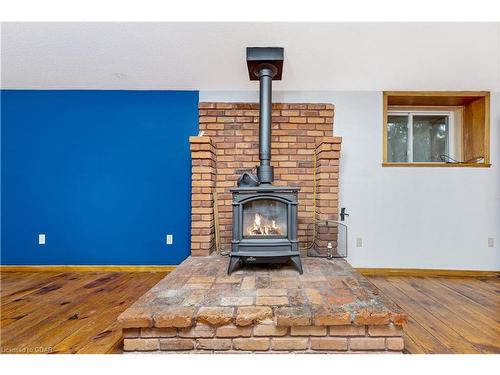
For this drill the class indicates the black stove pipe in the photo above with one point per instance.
(265, 72)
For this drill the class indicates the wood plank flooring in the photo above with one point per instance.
(447, 315)
(75, 312)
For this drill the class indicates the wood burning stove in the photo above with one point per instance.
(265, 225)
(264, 215)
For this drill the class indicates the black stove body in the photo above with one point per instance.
(264, 215)
(265, 226)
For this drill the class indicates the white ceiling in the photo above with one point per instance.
(211, 56)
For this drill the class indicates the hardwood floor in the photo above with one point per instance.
(447, 315)
(76, 312)
(67, 312)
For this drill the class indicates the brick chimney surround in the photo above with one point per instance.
(230, 146)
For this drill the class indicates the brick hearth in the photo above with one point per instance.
(197, 308)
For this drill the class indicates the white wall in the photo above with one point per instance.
(408, 217)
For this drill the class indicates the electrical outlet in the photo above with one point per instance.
(41, 239)
(170, 239)
(359, 242)
(491, 242)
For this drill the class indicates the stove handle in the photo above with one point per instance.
(343, 214)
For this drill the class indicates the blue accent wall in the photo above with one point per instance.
(104, 174)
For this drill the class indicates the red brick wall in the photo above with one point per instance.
(298, 129)
(203, 165)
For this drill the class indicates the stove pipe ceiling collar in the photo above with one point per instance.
(265, 64)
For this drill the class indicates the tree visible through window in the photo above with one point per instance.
(419, 137)
(397, 138)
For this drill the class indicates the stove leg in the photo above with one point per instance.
(233, 262)
(297, 262)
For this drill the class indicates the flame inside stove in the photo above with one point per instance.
(262, 226)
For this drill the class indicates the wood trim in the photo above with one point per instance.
(425, 272)
(437, 93)
(463, 145)
(410, 108)
(486, 146)
(71, 268)
(439, 165)
(384, 127)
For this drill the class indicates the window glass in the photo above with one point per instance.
(397, 138)
(430, 138)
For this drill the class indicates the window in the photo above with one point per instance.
(420, 137)
(436, 129)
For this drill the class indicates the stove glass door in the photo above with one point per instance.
(265, 218)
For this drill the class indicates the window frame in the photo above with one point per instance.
(472, 111)
(422, 112)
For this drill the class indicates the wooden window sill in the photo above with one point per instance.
(439, 165)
